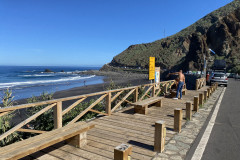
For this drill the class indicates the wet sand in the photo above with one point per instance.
(122, 79)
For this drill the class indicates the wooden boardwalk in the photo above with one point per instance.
(122, 127)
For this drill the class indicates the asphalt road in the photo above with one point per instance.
(224, 141)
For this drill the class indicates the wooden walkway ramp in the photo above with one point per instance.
(122, 127)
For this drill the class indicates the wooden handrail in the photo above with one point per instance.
(80, 98)
(124, 98)
(26, 121)
(116, 95)
(73, 105)
(146, 92)
(12, 108)
(87, 109)
(31, 131)
(200, 82)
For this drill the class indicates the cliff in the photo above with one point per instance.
(219, 30)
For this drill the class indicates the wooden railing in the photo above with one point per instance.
(111, 99)
(201, 82)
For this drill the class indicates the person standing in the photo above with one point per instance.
(180, 83)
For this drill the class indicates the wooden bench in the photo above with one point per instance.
(141, 107)
(74, 134)
(174, 91)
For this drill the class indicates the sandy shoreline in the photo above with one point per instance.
(122, 79)
(119, 79)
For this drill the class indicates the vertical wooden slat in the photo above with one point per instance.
(57, 112)
(136, 95)
(159, 136)
(108, 104)
(153, 90)
(177, 120)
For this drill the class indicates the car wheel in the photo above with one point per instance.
(226, 85)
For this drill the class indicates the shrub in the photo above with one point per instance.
(6, 120)
(44, 121)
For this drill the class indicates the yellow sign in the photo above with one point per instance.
(151, 68)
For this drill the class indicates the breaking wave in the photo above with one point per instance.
(13, 84)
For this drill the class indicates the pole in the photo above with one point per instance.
(205, 66)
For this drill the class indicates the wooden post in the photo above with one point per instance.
(200, 98)
(153, 90)
(108, 104)
(57, 114)
(196, 103)
(188, 110)
(159, 103)
(159, 137)
(196, 84)
(122, 152)
(136, 95)
(208, 92)
(79, 140)
(213, 87)
(205, 95)
(177, 120)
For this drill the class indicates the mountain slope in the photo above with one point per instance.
(219, 30)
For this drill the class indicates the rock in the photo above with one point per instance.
(47, 70)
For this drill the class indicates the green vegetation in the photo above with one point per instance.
(5, 121)
(43, 122)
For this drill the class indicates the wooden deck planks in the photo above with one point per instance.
(125, 127)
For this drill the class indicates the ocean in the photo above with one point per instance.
(28, 81)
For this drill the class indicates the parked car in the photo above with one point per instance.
(237, 77)
(232, 75)
(220, 78)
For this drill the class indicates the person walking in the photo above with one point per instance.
(180, 83)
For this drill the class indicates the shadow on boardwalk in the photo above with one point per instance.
(122, 127)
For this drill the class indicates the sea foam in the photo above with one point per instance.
(13, 84)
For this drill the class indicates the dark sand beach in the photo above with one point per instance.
(122, 79)
(119, 79)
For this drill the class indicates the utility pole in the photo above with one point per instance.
(204, 66)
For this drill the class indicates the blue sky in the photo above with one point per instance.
(89, 32)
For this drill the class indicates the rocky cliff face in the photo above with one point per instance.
(219, 30)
